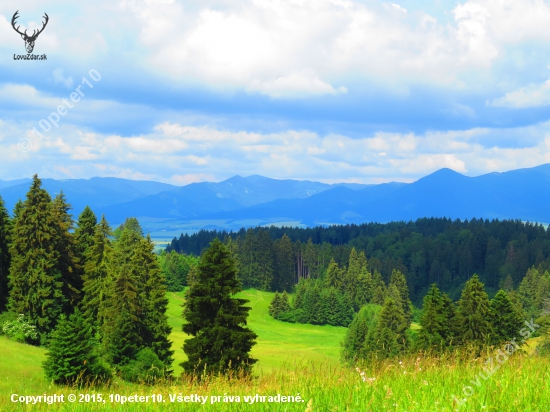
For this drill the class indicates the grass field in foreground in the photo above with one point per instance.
(302, 359)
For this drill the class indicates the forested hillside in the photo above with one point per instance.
(427, 250)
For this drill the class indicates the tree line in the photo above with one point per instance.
(96, 298)
(336, 297)
(426, 251)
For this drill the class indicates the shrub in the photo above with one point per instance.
(146, 368)
(20, 330)
(72, 356)
(6, 316)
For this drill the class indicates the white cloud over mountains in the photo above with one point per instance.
(180, 154)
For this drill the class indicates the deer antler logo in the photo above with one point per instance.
(29, 40)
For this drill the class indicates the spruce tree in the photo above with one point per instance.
(398, 279)
(433, 322)
(216, 321)
(357, 263)
(275, 306)
(335, 276)
(5, 234)
(356, 337)
(285, 304)
(265, 260)
(97, 279)
(72, 353)
(354, 345)
(84, 233)
(389, 336)
(473, 314)
(284, 265)
(311, 259)
(154, 302)
(505, 320)
(250, 265)
(68, 264)
(377, 289)
(35, 279)
(123, 328)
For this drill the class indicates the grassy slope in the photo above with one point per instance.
(423, 384)
(278, 342)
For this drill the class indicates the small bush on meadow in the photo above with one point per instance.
(6, 316)
(20, 330)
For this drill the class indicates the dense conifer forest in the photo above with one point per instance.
(447, 252)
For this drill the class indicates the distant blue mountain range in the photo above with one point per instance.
(518, 194)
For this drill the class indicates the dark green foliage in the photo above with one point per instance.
(473, 326)
(72, 354)
(97, 278)
(123, 327)
(275, 306)
(122, 337)
(335, 276)
(35, 279)
(431, 250)
(146, 368)
(285, 304)
(154, 303)
(505, 320)
(389, 337)
(284, 263)
(316, 304)
(378, 289)
(436, 321)
(132, 224)
(216, 321)
(175, 268)
(257, 260)
(67, 263)
(398, 280)
(5, 232)
(311, 260)
(351, 282)
(84, 233)
(533, 290)
(354, 344)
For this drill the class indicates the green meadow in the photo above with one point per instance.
(302, 363)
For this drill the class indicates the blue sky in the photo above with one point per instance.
(326, 90)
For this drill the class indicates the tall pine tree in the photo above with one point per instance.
(35, 279)
(154, 302)
(435, 323)
(84, 233)
(98, 280)
(505, 320)
(284, 279)
(473, 314)
(216, 321)
(68, 264)
(398, 280)
(123, 329)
